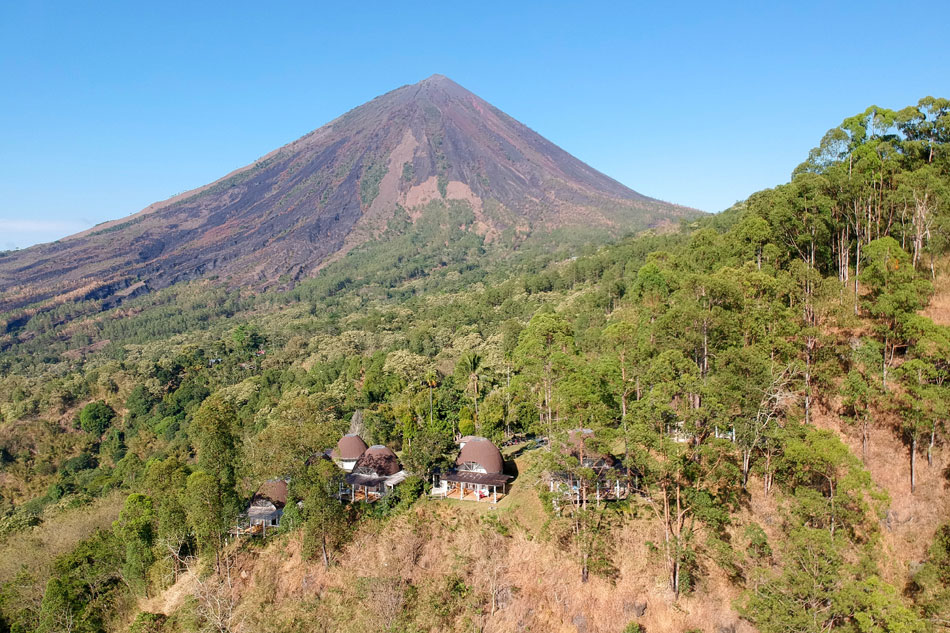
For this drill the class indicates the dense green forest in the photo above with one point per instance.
(706, 358)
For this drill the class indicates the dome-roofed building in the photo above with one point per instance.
(377, 460)
(375, 473)
(468, 438)
(478, 473)
(479, 455)
(348, 450)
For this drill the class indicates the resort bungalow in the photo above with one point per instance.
(610, 481)
(478, 473)
(374, 474)
(348, 450)
(265, 509)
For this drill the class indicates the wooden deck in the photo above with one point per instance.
(467, 495)
(359, 495)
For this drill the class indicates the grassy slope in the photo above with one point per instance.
(455, 556)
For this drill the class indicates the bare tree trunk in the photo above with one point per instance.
(705, 348)
(884, 365)
(857, 269)
(508, 400)
(930, 447)
(913, 463)
(678, 526)
(865, 440)
(831, 488)
(809, 343)
(746, 461)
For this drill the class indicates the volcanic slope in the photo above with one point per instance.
(334, 189)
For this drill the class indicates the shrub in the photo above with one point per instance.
(96, 417)
(83, 461)
(146, 622)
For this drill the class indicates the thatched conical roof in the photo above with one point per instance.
(274, 491)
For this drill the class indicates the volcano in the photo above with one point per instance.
(313, 200)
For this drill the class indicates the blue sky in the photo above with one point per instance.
(107, 107)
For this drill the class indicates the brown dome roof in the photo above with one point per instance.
(274, 491)
(482, 452)
(378, 459)
(350, 446)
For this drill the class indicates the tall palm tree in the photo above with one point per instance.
(471, 362)
(431, 380)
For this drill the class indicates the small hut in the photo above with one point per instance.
(348, 450)
(478, 473)
(375, 474)
(265, 509)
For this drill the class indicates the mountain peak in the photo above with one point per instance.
(436, 78)
(440, 84)
(285, 215)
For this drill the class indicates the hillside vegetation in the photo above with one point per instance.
(774, 378)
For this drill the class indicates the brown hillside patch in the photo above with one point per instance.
(172, 599)
(939, 309)
(35, 549)
(446, 567)
(911, 519)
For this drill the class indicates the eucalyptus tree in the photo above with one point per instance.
(894, 294)
(627, 355)
(325, 521)
(831, 487)
(214, 437)
(756, 392)
(209, 513)
(931, 344)
(690, 488)
(925, 401)
(135, 528)
(925, 193)
(543, 357)
(165, 482)
(211, 498)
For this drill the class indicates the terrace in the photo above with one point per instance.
(472, 486)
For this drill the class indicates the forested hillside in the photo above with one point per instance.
(772, 378)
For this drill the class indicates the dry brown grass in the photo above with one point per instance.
(912, 519)
(37, 548)
(172, 598)
(407, 568)
(939, 309)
